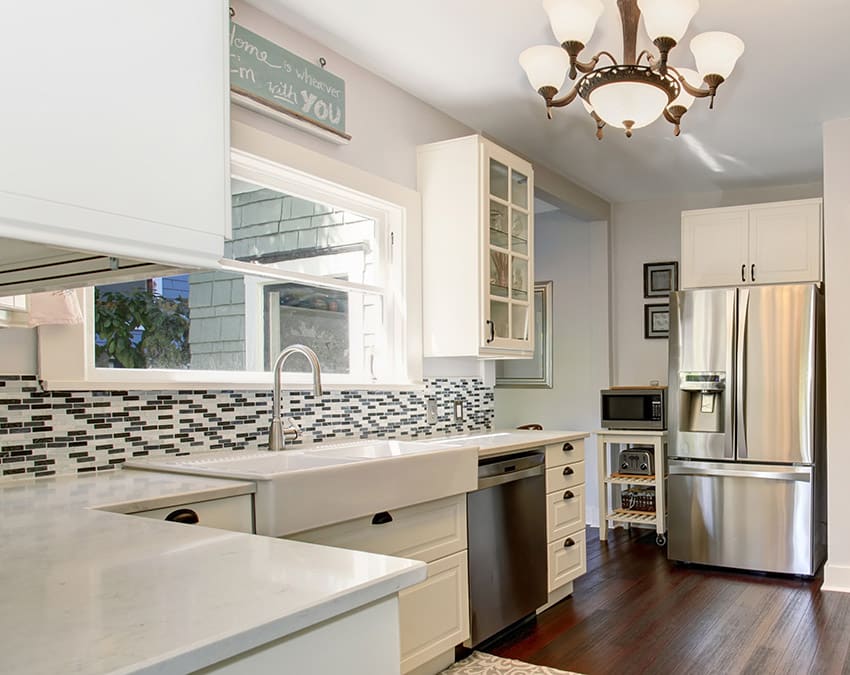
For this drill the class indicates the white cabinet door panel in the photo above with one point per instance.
(714, 248)
(785, 243)
(117, 110)
(567, 559)
(434, 614)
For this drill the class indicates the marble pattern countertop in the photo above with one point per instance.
(500, 441)
(86, 590)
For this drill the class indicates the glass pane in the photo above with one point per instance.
(519, 231)
(498, 273)
(519, 322)
(498, 180)
(281, 230)
(498, 224)
(215, 320)
(519, 279)
(519, 189)
(499, 317)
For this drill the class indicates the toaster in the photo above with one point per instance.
(637, 462)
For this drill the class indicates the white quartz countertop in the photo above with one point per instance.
(507, 440)
(85, 590)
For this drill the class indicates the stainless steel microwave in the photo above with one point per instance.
(634, 408)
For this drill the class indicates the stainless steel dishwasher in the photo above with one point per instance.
(506, 528)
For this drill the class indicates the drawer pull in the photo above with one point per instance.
(568, 447)
(569, 543)
(382, 518)
(568, 471)
(568, 494)
(186, 516)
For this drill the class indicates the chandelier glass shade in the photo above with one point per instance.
(637, 91)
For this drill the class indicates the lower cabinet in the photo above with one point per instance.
(229, 513)
(434, 614)
(565, 516)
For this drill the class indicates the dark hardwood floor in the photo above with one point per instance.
(634, 612)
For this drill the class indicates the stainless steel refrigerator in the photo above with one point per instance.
(746, 486)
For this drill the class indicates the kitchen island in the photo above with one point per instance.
(91, 591)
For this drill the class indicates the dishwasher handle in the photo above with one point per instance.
(510, 469)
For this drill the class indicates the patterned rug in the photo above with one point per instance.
(479, 663)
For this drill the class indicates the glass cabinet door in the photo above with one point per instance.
(508, 246)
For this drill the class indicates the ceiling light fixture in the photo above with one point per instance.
(629, 95)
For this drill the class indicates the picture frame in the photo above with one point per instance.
(656, 321)
(536, 372)
(660, 279)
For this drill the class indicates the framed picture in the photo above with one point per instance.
(656, 321)
(535, 372)
(659, 279)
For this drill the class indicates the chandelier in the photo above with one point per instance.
(636, 92)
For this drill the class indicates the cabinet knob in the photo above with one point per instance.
(568, 471)
(382, 518)
(568, 494)
(568, 447)
(569, 543)
(186, 516)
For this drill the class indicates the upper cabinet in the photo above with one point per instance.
(760, 244)
(115, 128)
(478, 243)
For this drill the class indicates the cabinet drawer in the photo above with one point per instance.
(558, 454)
(564, 512)
(434, 614)
(231, 513)
(563, 477)
(567, 559)
(424, 532)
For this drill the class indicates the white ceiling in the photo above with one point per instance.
(461, 57)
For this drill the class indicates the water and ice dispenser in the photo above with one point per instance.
(702, 402)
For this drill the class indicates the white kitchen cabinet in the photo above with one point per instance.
(758, 244)
(228, 513)
(478, 244)
(434, 614)
(115, 131)
(565, 517)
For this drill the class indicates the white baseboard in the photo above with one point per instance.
(836, 578)
(591, 515)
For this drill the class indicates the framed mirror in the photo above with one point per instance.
(535, 372)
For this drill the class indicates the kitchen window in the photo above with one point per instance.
(308, 262)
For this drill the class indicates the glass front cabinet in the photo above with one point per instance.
(478, 243)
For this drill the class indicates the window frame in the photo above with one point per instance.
(66, 353)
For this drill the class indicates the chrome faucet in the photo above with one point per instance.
(278, 434)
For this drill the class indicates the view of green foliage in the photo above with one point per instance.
(142, 329)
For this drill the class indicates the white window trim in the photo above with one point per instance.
(66, 353)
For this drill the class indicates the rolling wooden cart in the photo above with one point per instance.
(612, 484)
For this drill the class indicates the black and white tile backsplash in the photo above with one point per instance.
(53, 433)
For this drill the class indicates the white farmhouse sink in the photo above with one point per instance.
(302, 489)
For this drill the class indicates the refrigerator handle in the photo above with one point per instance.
(741, 375)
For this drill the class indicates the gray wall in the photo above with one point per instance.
(573, 255)
(650, 231)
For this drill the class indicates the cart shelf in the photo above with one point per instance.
(628, 479)
(628, 516)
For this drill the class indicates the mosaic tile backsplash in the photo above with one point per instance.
(46, 433)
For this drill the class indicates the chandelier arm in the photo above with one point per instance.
(650, 58)
(566, 99)
(599, 124)
(586, 67)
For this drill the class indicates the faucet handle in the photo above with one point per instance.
(291, 431)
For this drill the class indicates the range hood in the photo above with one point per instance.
(27, 267)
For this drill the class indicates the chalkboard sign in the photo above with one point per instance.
(269, 74)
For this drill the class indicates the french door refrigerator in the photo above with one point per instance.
(746, 485)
